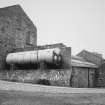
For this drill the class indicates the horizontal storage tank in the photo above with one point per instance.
(47, 55)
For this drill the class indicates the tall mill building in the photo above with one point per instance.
(16, 32)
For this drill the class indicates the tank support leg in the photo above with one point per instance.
(41, 65)
(12, 67)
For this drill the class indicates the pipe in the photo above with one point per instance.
(47, 55)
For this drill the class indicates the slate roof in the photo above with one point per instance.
(77, 61)
(92, 57)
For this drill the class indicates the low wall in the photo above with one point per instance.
(48, 77)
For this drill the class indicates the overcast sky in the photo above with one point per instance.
(79, 24)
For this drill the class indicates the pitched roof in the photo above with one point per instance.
(15, 10)
(92, 57)
(92, 53)
(78, 58)
(80, 62)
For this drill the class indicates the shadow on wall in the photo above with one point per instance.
(43, 82)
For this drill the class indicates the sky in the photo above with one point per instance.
(79, 24)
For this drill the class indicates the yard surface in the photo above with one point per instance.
(27, 94)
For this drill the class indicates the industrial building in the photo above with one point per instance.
(16, 31)
(22, 60)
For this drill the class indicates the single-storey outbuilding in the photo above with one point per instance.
(84, 74)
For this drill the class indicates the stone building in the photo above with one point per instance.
(84, 73)
(16, 31)
(97, 59)
(45, 73)
(18, 34)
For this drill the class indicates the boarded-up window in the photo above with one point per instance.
(19, 39)
(28, 37)
(32, 39)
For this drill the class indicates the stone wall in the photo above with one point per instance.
(65, 53)
(101, 76)
(59, 77)
(16, 31)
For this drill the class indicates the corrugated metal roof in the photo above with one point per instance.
(81, 63)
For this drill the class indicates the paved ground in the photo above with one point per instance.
(27, 94)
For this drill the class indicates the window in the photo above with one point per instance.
(28, 37)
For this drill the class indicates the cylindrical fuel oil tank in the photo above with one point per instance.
(47, 55)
